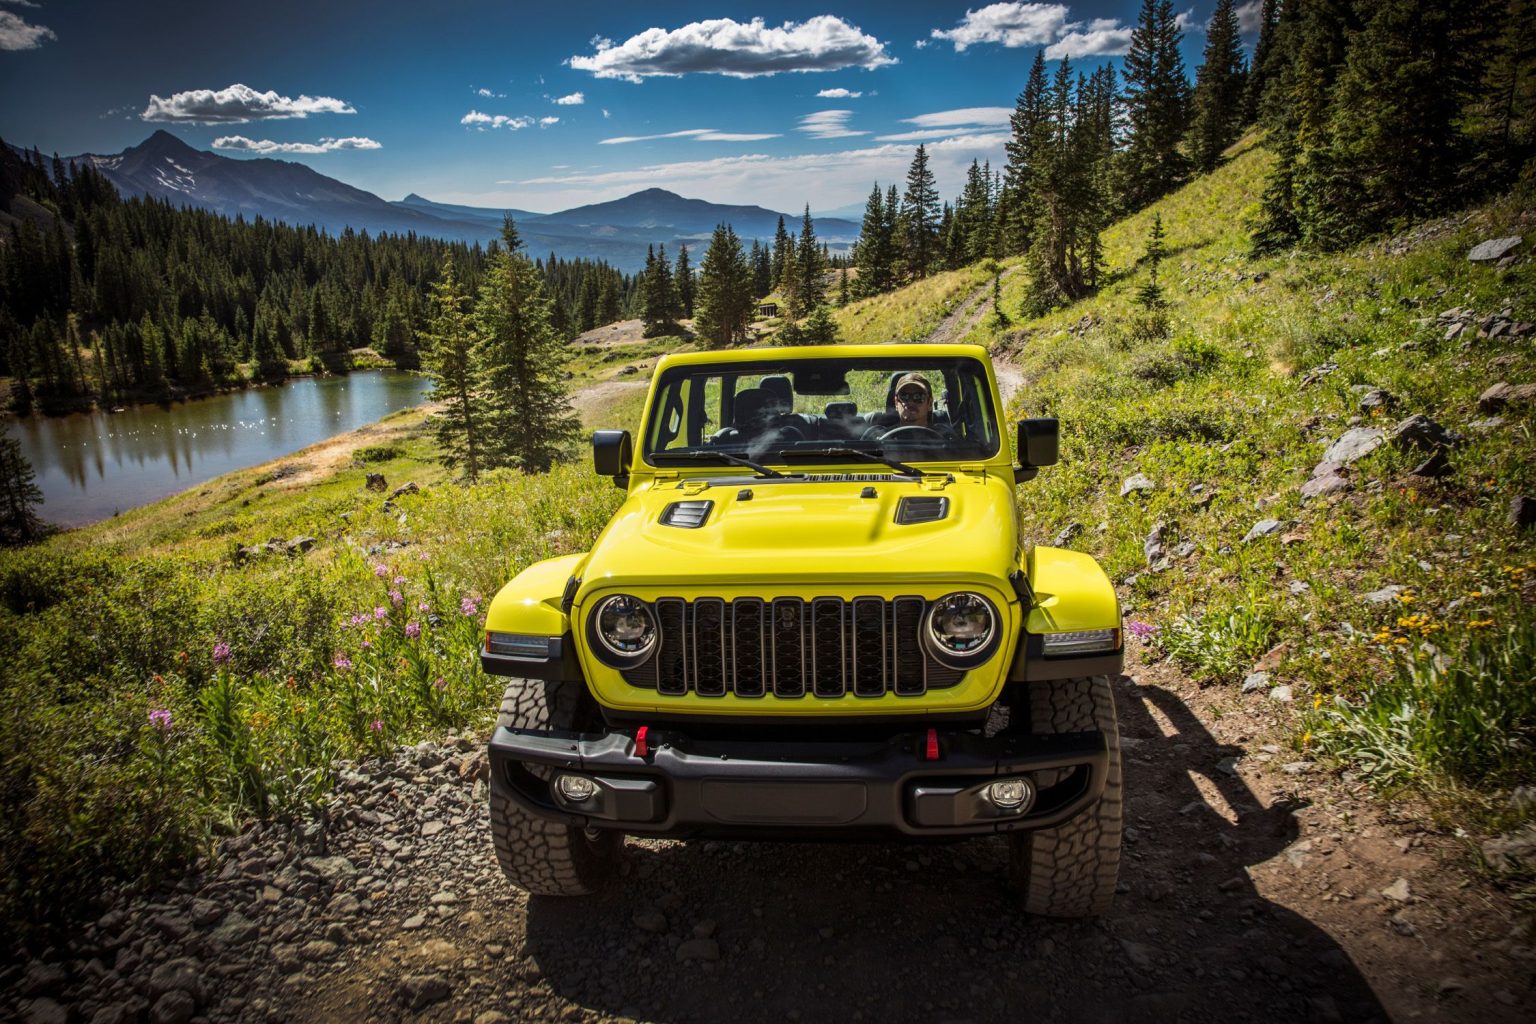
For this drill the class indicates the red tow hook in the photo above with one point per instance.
(642, 747)
(931, 748)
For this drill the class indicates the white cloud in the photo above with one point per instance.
(838, 94)
(475, 119)
(991, 116)
(1104, 37)
(696, 134)
(545, 122)
(575, 99)
(1250, 16)
(237, 105)
(606, 115)
(828, 124)
(241, 144)
(488, 94)
(19, 3)
(825, 180)
(722, 46)
(1012, 25)
(16, 33)
(921, 44)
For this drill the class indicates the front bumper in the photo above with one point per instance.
(685, 786)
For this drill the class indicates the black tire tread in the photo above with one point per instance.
(1071, 870)
(547, 858)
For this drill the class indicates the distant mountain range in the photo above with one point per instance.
(164, 167)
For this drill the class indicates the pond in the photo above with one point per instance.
(91, 466)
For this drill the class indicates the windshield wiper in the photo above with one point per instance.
(862, 454)
(735, 460)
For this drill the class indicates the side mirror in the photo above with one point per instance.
(612, 452)
(1039, 445)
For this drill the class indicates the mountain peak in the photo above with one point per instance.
(163, 141)
(654, 193)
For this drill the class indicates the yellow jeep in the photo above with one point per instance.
(813, 617)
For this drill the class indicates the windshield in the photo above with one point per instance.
(913, 409)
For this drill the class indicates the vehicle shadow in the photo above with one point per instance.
(814, 932)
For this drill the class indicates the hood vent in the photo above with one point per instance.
(686, 515)
(921, 510)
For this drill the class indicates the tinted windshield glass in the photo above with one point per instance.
(912, 409)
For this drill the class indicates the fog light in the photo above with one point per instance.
(1008, 794)
(575, 788)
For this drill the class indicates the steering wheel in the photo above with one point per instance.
(911, 430)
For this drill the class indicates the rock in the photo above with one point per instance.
(1376, 398)
(1355, 444)
(1228, 765)
(45, 1011)
(1263, 528)
(1398, 891)
(706, 929)
(332, 869)
(1136, 953)
(1282, 694)
(432, 828)
(1275, 655)
(492, 1017)
(1434, 467)
(205, 912)
(42, 979)
(1331, 481)
(649, 919)
(318, 949)
(1512, 852)
(1488, 425)
(116, 1013)
(409, 487)
(1255, 681)
(413, 922)
(1384, 595)
(1068, 532)
(181, 975)
(629, 371)
(1136, 482)
(343, 904)
(698, 949)
(418, 991)
(235, 930)
(1522, 510)
(1185, 549)
(1152, 547)
(1492, 249)
(1297, 588)
(1325, 1010)
(175, 1007)
(300, 545)
(376, 482)
(1419, 431)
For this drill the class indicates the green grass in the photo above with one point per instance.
(911, 313)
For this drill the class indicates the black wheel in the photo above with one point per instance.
(1070, 870)
(548, 858)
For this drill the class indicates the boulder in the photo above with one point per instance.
(1263, 528)
(409, 487)
(1152, 547)
(1493, 249)
(1136, 482)
(1355, 444)
(1501, 394)
(1421, 432)
(1522, 510)
(376, 482)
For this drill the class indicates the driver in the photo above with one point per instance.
(914, 404)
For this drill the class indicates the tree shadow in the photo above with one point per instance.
(861, 932)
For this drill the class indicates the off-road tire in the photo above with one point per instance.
(548, 858)
(1070, 870)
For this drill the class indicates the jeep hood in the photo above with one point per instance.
(770, 531)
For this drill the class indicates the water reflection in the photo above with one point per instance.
(91, 466)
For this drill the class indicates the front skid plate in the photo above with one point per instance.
(686, 786)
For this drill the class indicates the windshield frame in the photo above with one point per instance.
(670, 397)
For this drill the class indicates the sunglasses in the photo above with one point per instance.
(912, 397)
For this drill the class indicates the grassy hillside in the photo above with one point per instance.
(1265, 364)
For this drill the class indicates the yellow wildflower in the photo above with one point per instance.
(1317, 701)
(1401, 640)
(1479, 623)
(1306, 738)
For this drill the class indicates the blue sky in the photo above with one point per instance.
(547, 106)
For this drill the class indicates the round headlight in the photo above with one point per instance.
(626, 627)
(961, 623)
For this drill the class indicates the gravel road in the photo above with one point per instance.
(1255, 888)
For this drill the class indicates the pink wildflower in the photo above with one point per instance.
(469, 606)
(1140, 630)
(366, 645)
(160, 718)
(423, 607)
(377, 725)
(399, 581)
(381, 612)
(381, 571)
(220, 653)
(441, 683)
(413, 630)
(342, 662)
(396, 598)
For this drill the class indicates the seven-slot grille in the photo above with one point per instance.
(791, 647)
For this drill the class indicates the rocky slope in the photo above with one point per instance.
(1256, 887)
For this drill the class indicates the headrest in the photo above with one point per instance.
(842, 410)
(779, 388)
(751, 409)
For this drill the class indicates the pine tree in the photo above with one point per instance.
(819, 328)
(842, 287)
(725, 291)
(999, 318)
(919, 217)
(683, 277)
(1217, 111)
(873, 254)
(808, 291)
(1150, 295)
(783, 255)
(1026, 146)
(19, 495)
(659, 303)
(1157, 99)
(520, 363)
(1502, 118)
(1261, 70)
(449, 342)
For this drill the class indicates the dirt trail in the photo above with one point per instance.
(966, 315)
